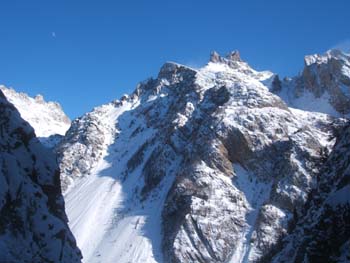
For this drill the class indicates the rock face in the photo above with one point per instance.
(33, 223)
(230, 59)
(322, 234)
(223, 165)
(323, 86)
(82, 147)
(49, 121)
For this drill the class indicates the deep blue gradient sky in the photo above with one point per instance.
(85, 53)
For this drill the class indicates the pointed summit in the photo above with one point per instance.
(234, 56)
(215, 57)
(230, 59)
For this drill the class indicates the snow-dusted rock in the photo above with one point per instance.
(242, 125)
(322, 233)
(194, 166)
(33, 223)
(323, 85)
(88, 139)
(49, 121)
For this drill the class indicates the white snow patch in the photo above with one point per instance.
(256, 193)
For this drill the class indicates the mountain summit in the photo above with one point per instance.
(220, 164)
(323, 85)
(231, 57)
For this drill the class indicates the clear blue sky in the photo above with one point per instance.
(85, 53)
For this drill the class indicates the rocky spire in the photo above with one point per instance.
(230, 59)
(215, 57)
(233, 56)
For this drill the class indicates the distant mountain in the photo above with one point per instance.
(219, 164)
(323, 85)
(33, 223)
(49, 121)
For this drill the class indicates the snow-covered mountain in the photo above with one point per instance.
(323, 85)
(209, 165)
(49, 121)
(33, 223)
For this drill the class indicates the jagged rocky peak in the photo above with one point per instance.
(329, 75)
(232, 56)
(174, 72)
(214, 57)
(322, 86)
(47, 118)
(228, 59)
(233, 64)
(325, 58)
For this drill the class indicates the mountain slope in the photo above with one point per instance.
(195, 166)
(322, 234)
(47, 118)
(33, 223)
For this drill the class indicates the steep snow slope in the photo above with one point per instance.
(47, 118)
(33, 223)
(195, 166)
(106, 199)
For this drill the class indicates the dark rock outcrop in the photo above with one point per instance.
(322, 232)
(33, 223)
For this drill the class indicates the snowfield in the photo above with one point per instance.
(101, 215)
